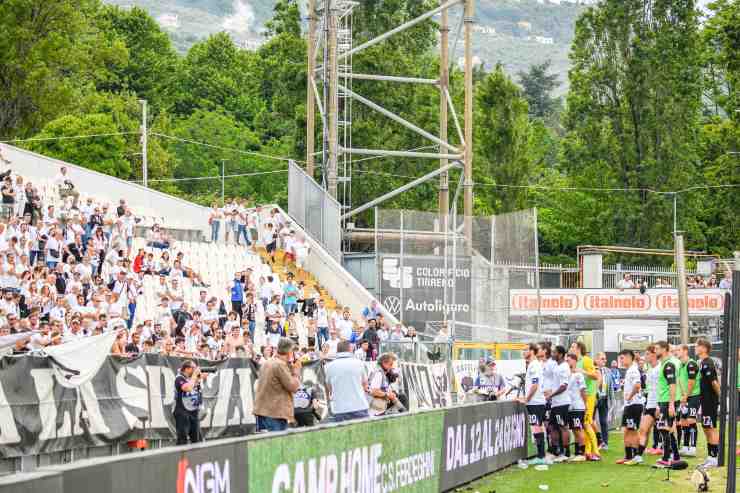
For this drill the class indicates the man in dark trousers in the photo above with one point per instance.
(188, 399)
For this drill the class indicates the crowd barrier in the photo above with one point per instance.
(433, 450)
(49, 416)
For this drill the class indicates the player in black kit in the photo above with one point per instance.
(710, 392)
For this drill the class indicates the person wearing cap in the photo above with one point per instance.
(380, 395)
(279, 379)
(489, 383)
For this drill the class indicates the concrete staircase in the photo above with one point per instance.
(283, 266)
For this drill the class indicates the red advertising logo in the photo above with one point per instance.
(208, 477)
(617, 302)
(559, 302)
(668, 302)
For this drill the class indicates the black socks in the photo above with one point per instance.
(713, 450)
(667, 436)
(657, 438)
(539, 438)
(641, 450)
(674, 447)
(693, 431)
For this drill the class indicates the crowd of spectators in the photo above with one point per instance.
(716, 280)
(69, 271)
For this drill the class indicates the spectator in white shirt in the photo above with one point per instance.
(66, 187)
(345, 326)
(626, 283)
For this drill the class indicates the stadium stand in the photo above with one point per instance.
(88, 260)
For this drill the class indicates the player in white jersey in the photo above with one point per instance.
(577, 409)
(549, 370)
(534, 399)
(633, 407)
(557, 396)
(649, 416)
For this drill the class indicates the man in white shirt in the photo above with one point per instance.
(345, 326)
(265, 292)
(66, 187)
(346, 381)
(332, 343)
(241, 218)
(202, 304)
(8, 304)
(626, 283)
(321, 316)
(534, 399)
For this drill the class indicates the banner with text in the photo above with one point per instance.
(614, 302)
(424, 288)
(126, 399)
(384, 455)
(481, 438)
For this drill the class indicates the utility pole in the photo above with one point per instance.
(468, 156)
(223, 182)
(683, 298)
(444, 76)
(144, 135)
(333, 109)
(310, 96)
(729, 393)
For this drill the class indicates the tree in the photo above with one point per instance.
(504, 140)
(632, 117)
(105, 154)
(224, 135)
(286, 20)
(216, 75)
(538, 87)
(50, 53)
(152, 62)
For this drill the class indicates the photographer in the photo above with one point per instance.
(279, 379)
(188, 399)
(379, 393)
(489, 385)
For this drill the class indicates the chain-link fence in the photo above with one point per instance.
(429, 271)
(315, 210)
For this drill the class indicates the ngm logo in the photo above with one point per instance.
(208, 477)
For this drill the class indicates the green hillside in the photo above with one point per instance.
(515, 33)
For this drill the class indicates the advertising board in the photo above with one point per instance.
(614, 302)
(481, 438)
(424, 288)
(392, 454)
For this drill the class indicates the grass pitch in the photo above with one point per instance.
(601, 477)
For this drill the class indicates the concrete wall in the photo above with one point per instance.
(173, 211)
